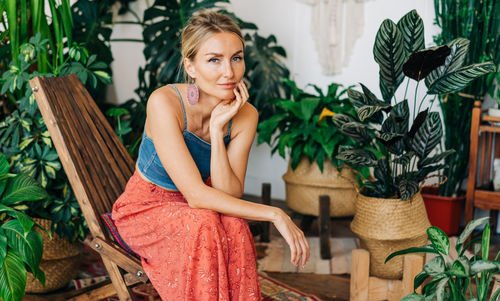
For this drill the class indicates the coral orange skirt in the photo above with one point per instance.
(187, 253)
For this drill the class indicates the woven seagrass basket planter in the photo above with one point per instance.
(60, 261)
(306, 183)
(388, 225)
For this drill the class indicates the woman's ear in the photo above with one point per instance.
(190, 69)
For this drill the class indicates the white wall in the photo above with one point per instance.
(290, 22)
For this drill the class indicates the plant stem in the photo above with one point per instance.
(415, 102)
(406, 89)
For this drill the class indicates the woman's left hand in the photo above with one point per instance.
(227, 109)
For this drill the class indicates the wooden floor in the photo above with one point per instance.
(327, 287)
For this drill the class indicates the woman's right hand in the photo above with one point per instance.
(299, 247)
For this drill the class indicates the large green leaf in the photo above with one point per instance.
(459, 48)
(22, 188)
(468, 230)
(421, 63)
(480, 266)
(435, 266)
(307, 106)
(413, 297)
(439, 239)
(459, 78)
(12, 278)
(29, 246)
(389, 54)
(426, 249)
(358, 157)
(428, 135)
(441, 289)
(412, 29)
(3, 246)
(4, 164)
(460, 267)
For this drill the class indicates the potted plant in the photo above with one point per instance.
(41, 44)
(300, 129)
(390, 213)
(21, 246)
(478, 22)
(452, 278)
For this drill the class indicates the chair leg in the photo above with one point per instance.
(124, 293)
(266, 200)
(324, 226)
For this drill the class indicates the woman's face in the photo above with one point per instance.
(219, 65)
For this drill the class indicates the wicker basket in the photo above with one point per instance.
(306, 183)
(388, 225)
(60, 261)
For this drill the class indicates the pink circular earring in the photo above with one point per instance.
(193, 94)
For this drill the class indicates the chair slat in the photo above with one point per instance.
(71, 129)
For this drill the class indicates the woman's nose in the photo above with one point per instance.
(228, 70)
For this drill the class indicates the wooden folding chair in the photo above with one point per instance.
(484, 148)
(98, 168)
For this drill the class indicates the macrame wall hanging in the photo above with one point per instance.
(336, 24)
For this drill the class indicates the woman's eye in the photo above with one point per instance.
(213, 60)
(237, 58)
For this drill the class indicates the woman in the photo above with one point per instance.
(181, 211)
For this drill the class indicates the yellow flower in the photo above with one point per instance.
(325, 113)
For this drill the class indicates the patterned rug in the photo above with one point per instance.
(277, 258)
(92, 271)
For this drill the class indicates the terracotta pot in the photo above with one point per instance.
(306, 183)
(444, 212)
(388, 225)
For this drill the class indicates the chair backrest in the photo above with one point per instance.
(97, 164)
(485, 146)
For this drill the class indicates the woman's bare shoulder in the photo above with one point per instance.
(163, 103)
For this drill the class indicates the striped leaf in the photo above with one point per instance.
(390, 56)
(459, 48)
(12, 277)
(428, 135)
(435, 159)
(387, 136)
(404, 159)
(356, 131)
(367, 111)
(412, 29)
(358, 157)
(458, 79)
(407, 188)
(340, 119)
(357, 98)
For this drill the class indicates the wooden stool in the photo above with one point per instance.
(364, 287)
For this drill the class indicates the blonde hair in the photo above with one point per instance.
(199, 28)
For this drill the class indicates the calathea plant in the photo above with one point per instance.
(402, 156)
(451, 278)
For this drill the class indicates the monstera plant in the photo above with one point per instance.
(400, 143)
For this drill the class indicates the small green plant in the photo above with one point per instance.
(300, 128)
(21, 247)
(452, 279)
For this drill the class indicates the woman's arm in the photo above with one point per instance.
(228, 167)
(163, 113)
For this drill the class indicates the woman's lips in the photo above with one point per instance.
(227, 85)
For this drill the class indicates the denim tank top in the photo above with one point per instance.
(151, 167)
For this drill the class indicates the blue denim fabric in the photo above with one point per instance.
(151, 167)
